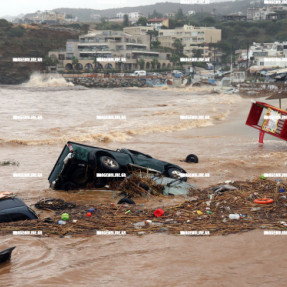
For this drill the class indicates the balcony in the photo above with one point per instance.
(95, 49)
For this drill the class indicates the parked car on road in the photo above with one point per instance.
(140, 73)
(155, 74)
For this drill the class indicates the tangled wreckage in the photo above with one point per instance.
(220, 209)
(216, 210)
(85, 166)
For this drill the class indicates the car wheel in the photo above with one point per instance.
(109, 163)
(68, 185)
(191, 158)
(175, 173)
(80, 176)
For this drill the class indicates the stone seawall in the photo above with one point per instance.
(108, 82)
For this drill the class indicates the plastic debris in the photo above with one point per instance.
(158, 212)
(234, 216)
(263, 200)
(61, 222)
(65, 216)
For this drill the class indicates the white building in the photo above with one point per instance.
(268, 54)
(256, 13)
(133, 16)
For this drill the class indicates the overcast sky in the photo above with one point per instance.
(16, 7)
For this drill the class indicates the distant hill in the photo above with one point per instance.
(35, 41)
(222, 8)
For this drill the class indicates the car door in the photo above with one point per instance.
(146, 161)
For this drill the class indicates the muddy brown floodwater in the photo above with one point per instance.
(227, 150)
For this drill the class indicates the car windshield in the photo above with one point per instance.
(139, 154)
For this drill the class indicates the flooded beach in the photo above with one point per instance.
(153, 260)
(153, 124)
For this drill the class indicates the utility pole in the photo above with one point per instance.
(231, 66)
(247, 56)
(213, 57)
(213, 60)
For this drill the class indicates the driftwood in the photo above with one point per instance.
(195, 213)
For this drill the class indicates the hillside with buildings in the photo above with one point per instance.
(17, 41)
(129, 41)
(93, 50)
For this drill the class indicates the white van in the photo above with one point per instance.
(140, 73)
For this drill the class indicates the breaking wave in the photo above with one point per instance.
(113, 136)
(47, 80)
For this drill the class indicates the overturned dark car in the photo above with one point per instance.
(14, 209)
(79, 165)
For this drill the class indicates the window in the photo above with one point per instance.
(69, 47)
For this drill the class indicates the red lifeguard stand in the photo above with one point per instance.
(268, 119)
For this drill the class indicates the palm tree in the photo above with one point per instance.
(177, 44)
(75, 61)
(95, 61)
(141, 63)
(154, 62)
(175, 59)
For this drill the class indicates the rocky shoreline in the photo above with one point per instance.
(108, 82)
